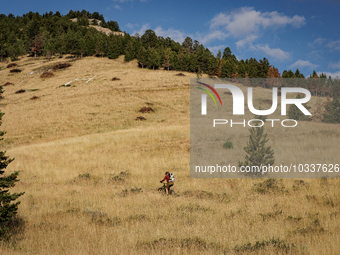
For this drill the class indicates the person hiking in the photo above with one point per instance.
(169, 182)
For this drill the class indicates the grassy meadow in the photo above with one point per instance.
(91, 171)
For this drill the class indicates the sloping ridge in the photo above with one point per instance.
(107, 31)
(104, 30)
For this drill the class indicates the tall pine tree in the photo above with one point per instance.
(166, 62)
(7, 208)
(295, 113)
(332, 113)
(257, 152)
(129, 52)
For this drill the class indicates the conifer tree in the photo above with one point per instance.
(180, 57)
(142, 57)
(60, 44)
(214, 64)
(288, 74)
(100, 48)
(7, 208)
(314, 75)
(90, 42)
(32, 29)
(332, 110)
(295, 113)
(225, 71)
(257, 152)
(37, 46)
(129, 52)
(166, 62)
(149, 39)
(3, 38)
(81, 44)
(153, 59)
(113, 50)
(13, 50)
(272, 75)
(298, 74)
(113, 25)
(227, 54)
(174, 61)
(317, 114)
(188, 45)
(262, 68)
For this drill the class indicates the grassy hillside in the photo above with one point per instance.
(90, 170)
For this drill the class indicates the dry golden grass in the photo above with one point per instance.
(90, 171)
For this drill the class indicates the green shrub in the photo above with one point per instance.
(228, 145)
(84, 176)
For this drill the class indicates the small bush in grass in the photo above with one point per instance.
(60, 66)
(16, 70)
(135, 190)
(269, 186)
(20, 91)
(46, 74)
(228, 145)
(146, 109)
(119, 177)
(11, 65)
(84, 176)
(278, 245)
(140, 118)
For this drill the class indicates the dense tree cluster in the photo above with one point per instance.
(54, 34)
(156, 52)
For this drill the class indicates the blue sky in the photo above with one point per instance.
(292, 34)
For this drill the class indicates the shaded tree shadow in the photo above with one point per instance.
(14, 230)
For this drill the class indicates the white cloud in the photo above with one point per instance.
(246, 21)
(315, 55)
(275, 53)
(220, 20)
(215, 49)
(248, 24)
(118, 7)
(126, 1)
(248, 40)
(174, 34)
(211, 36)
(302, 63)
(335, 45)
(335, 65)
(319, 40)
(142, 29)
(131, 26)
(333, 75)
